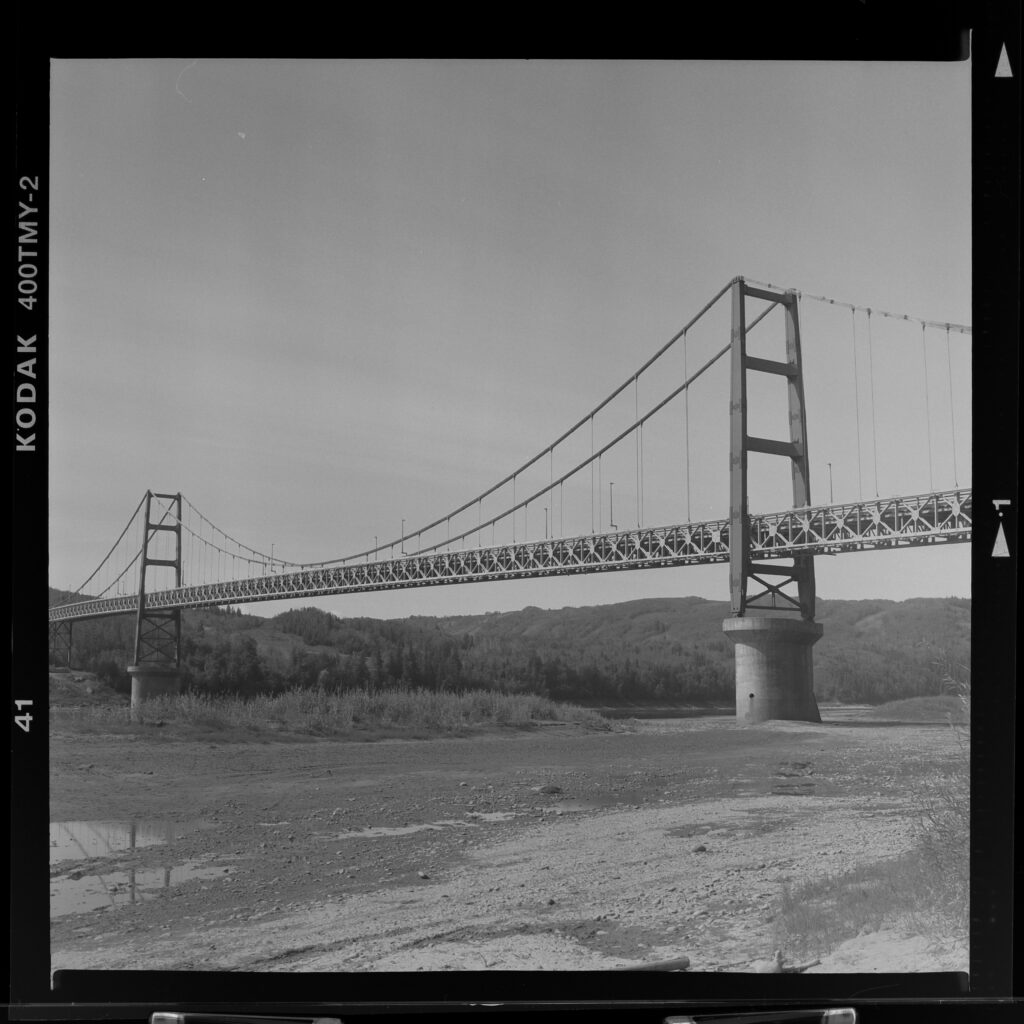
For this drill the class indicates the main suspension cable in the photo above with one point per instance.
(111, 551)
(597, 454)
(554, 444)
(272, 559)
(961, 328)
(138, 555)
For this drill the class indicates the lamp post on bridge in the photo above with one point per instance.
(611, 506)
(831, 500)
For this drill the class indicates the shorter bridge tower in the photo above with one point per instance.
(157, 666)
(774, 670)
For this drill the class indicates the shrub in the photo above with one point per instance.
(320, 712)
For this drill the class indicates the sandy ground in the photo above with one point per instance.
(550, 849)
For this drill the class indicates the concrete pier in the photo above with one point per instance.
(774, 671)
(150, 681)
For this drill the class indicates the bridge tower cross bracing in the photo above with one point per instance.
(774, 669)
(60, 639)
(157, 664)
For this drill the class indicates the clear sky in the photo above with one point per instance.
(323, 297)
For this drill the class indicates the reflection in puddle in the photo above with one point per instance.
(77, 893)
(473, 818)
(82, 840)
(99, 885)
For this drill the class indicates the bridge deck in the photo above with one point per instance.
(937, 518)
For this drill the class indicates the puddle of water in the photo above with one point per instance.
(77, 893)
(75, 890)
(83, 840)
(567, 806)
(471, 819)
(688, 831)
(793, 789)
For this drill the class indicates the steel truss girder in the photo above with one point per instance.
(943, 517)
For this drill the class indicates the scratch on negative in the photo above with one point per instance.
(177, 81)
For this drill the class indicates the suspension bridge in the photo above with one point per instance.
(170, 556)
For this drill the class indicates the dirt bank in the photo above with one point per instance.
(550, 849)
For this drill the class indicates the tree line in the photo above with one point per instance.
(607, 655)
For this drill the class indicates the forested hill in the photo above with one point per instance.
(659, 650)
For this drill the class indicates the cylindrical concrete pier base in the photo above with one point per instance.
(150, 681)
(774, 672)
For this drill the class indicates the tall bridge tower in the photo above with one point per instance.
(157, 666)
(774, 669)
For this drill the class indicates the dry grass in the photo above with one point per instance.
(816, 916)
(927, 889)
(944, 826)
(946, 709)
(358, 714)
(902, 892)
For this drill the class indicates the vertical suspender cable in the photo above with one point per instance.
(141, 547)
(191, 548)
(551, 486)
(856, 392)
(686, 419)
(952, 414)
(874, 424)
(927, 407)
(600, 491)
(592, 528)
(112, 556)
(636, 416)
(127, 555)
(641, 474)
(133, 526)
